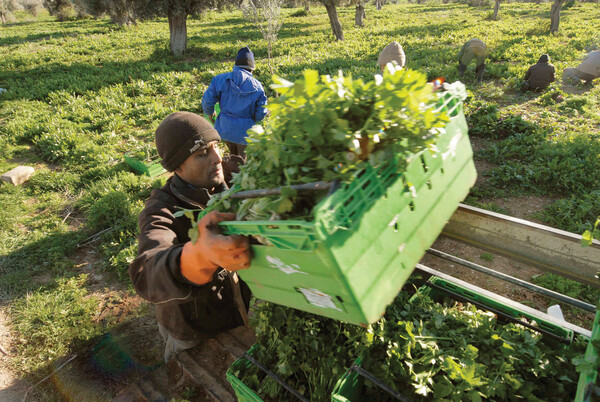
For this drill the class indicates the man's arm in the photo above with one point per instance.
(155, 273)
(210, 99)
(168, 271)
(527, 74)
(261, 112)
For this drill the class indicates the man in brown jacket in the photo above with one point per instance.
(540, 75)
(194, 286)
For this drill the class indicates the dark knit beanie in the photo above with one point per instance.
(544, 58)
(181, 134)
(245, 58)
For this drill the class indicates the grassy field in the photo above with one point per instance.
(80, 94)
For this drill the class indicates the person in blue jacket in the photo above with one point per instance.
(241, 98)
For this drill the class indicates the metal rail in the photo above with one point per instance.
(516, 281)
(506, 301)
(498, 313)
(396, 395)
(275, 377)
(541, 246)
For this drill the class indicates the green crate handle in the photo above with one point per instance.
(364, 373)
(236, 382)
(275, 377)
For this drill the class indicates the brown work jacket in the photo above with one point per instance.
(188, 311)
(540, 75)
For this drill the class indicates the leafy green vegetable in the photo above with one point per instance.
(326, 128)
(421, 348)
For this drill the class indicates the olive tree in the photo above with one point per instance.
(266, 14)
(555, 15)
(126, 12)
(121, 12)
(58, 8)
(6, 9)
(496, 9)
(360, 14)
(334, 20)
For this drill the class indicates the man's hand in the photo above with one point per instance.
(200, 260)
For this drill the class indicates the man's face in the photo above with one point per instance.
(203, 167)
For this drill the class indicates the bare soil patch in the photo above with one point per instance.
(11, 387)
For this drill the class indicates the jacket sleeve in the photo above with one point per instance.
(553, 74)
(210, 98)
(528, 73)
(261, 112)
(156, 272)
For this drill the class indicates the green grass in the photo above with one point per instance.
(82, 93)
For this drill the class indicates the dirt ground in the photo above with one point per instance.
(11, 389)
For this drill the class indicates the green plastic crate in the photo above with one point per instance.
(217, 111)
(350, 386)
(366, 238)
(150, 168)
(589, 377)
(242, 391)
(513, 312)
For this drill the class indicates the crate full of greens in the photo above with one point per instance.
(296, 353)
(426, 347)
(403, 159)
(435, 348)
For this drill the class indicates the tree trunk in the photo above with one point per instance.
(177, 31)
(336, 26)
(378, 4)
(306, 6)
(360, 15)
(555, 15)
(496, 9)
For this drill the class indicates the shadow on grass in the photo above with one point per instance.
(38, 264)
(98, 368)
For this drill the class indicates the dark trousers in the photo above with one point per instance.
(236, 149)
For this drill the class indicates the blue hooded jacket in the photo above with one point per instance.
(241, 98)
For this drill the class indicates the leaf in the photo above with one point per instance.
(587, 238)
(442, 390)
(193, 234)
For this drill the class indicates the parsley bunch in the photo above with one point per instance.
(325, 128)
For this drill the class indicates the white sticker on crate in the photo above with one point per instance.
(283, 267)
(319, 299)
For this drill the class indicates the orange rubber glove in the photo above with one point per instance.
(212, 250)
